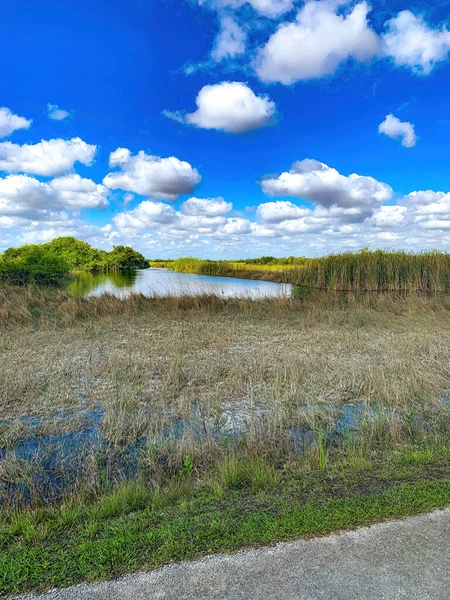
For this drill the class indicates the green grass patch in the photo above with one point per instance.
(242, 503)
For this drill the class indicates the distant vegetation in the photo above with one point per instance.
(365, 270)
(349, 271)
(264, 268)
(51, 263)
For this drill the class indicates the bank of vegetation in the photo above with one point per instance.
(140, 431)
(51, 263)
(377, 271)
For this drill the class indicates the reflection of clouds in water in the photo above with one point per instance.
(160, 282)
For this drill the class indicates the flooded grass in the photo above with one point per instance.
(110, 383)
(145, 417)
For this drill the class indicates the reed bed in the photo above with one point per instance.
(377, 271)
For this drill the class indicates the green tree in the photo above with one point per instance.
(124, 257)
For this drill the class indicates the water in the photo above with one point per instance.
(163, 282)
(57, 447)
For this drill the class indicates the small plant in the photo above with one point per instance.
(127, 496)
(231, 473)
(188, 467)
(322, 455)
(158, 499)
(261, 474)
(419, 456)
(217, 490)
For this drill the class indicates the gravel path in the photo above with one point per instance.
(408, 559)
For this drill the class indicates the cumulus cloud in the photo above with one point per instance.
(276, 212)
(316, 182)
(389, 216)
(162, 178)
(213, 207)
(146, 215)
(429, 202)
(410, 42)
(229, 106)
(100, 237)
(10, 122)
(268, 8)
(419, 220)
(76, 192)
(22, 195)
(317, 42)
(56, 113)
(35, 211)
(418, 212)
(48, 157)
(230, 41)
(150, 215)
(200, 224)
(396, 129)
(237, 225)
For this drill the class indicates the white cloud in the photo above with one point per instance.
(317, 42)
(429, 203)
(25, 196)
(76, 192)
(205, 224)
(229, 106)
(276, 212)
(119, 157)
(213, 207)
(417, 212)
(56, 113)
(389, 216)
(165, 178)
(99, 237)
(146, 215)
(417, 221)
(395, 129)
(410, 42)
(230, 41)
(10, 122)
(48, 157)
(237, 225)
(318, 183)
(271, 8)
(268, 8)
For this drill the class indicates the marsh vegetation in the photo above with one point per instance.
(140, 430)
(377, 271)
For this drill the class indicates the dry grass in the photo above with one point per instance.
(259, 367)
(266, 354)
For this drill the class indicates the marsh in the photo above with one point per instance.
(121, 382)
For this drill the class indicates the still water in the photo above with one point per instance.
(163, 282)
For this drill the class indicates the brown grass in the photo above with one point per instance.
(259, 366)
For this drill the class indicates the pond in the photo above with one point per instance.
(163, 282)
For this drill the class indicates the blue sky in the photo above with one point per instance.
(226, 128)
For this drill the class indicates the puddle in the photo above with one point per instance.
(54, 449)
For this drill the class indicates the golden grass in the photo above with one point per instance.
(259, 367)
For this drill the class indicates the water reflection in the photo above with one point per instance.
(84, 284)
(163, 282)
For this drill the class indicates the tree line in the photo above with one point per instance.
(51, 263)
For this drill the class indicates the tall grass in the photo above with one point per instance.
(239, 269)
(377, 271)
